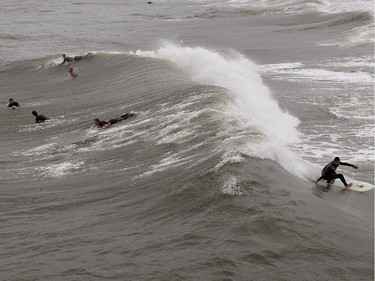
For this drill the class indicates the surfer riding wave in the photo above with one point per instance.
(329, 172)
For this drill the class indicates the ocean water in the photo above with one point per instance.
(240, 104)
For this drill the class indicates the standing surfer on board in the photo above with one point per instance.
(329, 172)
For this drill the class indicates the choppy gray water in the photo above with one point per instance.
(239, 103)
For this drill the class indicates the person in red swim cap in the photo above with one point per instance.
(72, 73)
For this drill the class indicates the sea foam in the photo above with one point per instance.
(252, 98)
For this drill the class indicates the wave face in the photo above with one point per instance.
(211, 103)
(252, 100)
(196, 186)
(278, 6)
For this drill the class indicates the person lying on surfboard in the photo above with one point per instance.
(76, 58)
(329, 172)
(105, 124)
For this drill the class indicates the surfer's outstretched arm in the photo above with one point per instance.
(64, 59)
(348, 164)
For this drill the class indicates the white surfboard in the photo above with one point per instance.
(359, 186)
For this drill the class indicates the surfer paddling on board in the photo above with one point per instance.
(76, 58)
(329, 172)
(39, 118)
(105, 124)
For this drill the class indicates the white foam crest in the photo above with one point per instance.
(298, 6)
(228, 157)
(53, 122)
(54, 170)
(324, 6)
(241, 77)
(232, 187)
(166, 163)
(40, 150)
(297, 72)
(62, 169)
(342, 6)
(53, 62)
(253, 99)
(364, 61)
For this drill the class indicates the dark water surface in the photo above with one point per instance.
(239, 104)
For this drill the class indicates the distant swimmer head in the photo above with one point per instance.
(96, 121)
(11, 100)
(35, 113)
(64, 56)
(70, 69)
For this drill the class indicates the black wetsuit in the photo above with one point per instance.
(78, 58)
(69, 59)
(114, 121)
(124, 117)
(41, 118)
(102, 124)
(329, 172)
(16, 104)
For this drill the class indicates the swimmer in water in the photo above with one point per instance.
(13, 104)
(73, 74)
(39, 118)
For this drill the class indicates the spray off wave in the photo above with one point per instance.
(253, 100)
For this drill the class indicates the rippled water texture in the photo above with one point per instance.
(239, 105)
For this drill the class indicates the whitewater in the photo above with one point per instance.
(252, 99)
